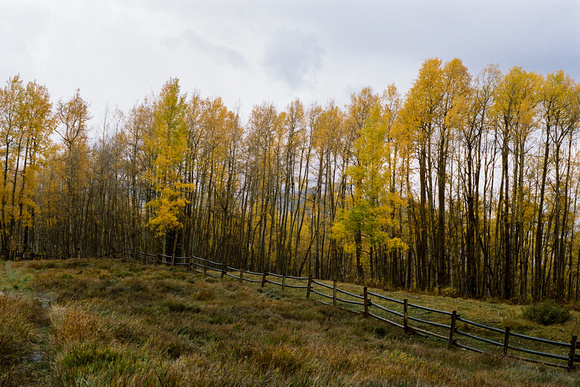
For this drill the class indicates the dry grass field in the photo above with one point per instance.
(122, 323)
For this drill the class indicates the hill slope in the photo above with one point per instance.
(114, 322)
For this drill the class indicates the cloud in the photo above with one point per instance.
(292, 56)
(218, 52)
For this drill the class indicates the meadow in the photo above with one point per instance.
(115, 322)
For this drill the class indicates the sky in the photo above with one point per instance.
(118, 52)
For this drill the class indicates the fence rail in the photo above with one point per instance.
(447, 331)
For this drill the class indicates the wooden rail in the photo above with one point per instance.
(448, 332)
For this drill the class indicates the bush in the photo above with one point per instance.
(546, 313)
(449, 292)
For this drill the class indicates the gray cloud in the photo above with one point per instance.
(540, 36)
(221, 53)
(292, 56)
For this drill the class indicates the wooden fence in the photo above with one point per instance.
(29, 256)
(411, 318)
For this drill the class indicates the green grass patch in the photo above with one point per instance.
(14, 278)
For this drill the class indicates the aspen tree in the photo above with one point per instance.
(261, 154)
(360, 108)
(514, 111)
(558, 101)
(137, 126)
(329, 140)
(38, 126)
(168, 142)
(391, 264)
(473, 131)
(294, 133)
(419, 114)
(73, 116)
(26, 123)
(219, 135)
(11, 98)
(367, 221)
(109, 208)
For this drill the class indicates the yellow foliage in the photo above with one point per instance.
(373, 202)
(168, 144)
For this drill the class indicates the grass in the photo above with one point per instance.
(122, 323)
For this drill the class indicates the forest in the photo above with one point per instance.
(467, 183)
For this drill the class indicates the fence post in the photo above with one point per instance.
(405, 316)
(572, 353)
(309, 286)
(173, 259)
(205, 266)
(224, 269)
(284, 283)
(241, 275)
(506, 340)
(158, 259)
(366, 302)
(334, 293)
(452, 328)
(189, 259)
(264, 278)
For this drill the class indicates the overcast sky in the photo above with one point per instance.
(117, 52)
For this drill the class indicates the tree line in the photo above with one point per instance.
(466, 182)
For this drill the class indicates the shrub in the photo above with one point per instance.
(546, 313)
(449, 292)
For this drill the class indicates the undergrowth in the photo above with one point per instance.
(546, 313)
(122, 323)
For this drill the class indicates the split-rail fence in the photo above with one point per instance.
(411, 318)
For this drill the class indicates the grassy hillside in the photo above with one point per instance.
(122, 323)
